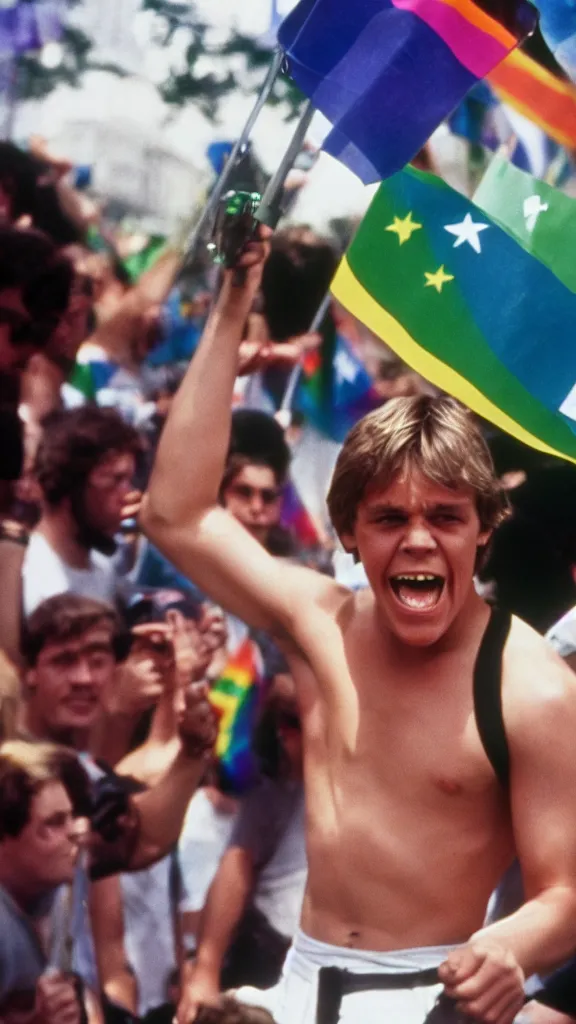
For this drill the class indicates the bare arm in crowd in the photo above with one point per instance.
(181, 513)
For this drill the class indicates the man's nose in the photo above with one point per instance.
(79, 831)
(256, 503)
(82, 673)
(418, 538)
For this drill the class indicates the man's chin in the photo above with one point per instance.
(414, 627)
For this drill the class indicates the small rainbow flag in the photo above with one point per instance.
(539, 95)
(386, 73)
(335, 389)
(236, 696)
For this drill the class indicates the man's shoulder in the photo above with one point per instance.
(538, 687)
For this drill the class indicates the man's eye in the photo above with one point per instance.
(391, 519)
(445, 517)
(99, 661)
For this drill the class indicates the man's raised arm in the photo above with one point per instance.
(180, 512)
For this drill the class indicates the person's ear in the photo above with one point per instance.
(484, 538)
(30, 679)
(348, 541)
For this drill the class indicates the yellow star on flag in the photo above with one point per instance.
(438, 279)
(404, 228)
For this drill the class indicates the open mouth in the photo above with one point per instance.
(419, 591)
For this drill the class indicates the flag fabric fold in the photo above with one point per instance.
(29, 25)
(236, 696)
(335, 388)
(541, 218)
(386, 73)
(558, 25)
(477, 314)
(532, 90)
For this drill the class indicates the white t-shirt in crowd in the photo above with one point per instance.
(271, 827)
(280, 886)
(45, 574)
(204, 837)
(149, 900)
(562, 635)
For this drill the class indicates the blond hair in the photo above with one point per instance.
(436, 436)
(10, 699)
(25, 768)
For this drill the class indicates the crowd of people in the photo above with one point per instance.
(147, 866)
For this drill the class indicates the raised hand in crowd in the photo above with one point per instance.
(197, 720)
(140, 679)
(200, 993)
(214, 630)
(57, 1000)
(192, 652)
(132, 503)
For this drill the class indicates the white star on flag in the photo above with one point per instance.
(467, 231)
(533, 207)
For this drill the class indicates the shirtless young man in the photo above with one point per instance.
(408, 828)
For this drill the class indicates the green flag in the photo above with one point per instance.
(486, 319)
(140, 262)
(539, 217)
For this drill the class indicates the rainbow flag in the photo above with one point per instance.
(236, 696)
(539, 95)
(335, 388)
(386, 73)
(473, 311)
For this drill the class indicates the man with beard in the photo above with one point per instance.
(85, 465)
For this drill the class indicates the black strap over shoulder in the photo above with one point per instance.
(488, 694)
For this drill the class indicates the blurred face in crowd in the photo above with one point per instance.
(44, 854)
(71, 329)
(255, 499)
(105, 493)
(16, 346)
(67, 684)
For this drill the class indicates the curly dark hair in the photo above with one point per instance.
(29, 261)
(74, 442)
(28, 182)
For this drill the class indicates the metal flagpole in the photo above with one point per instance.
(269, 211)
(296, 372)
(211, 207)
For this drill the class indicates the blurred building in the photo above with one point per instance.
(116, 125)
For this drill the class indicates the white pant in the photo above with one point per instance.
(294, 999)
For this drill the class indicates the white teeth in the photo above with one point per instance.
(419, 577)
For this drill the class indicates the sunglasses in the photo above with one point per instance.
(267, 495)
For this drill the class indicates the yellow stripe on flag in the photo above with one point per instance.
(477, 17)
(348, 290)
